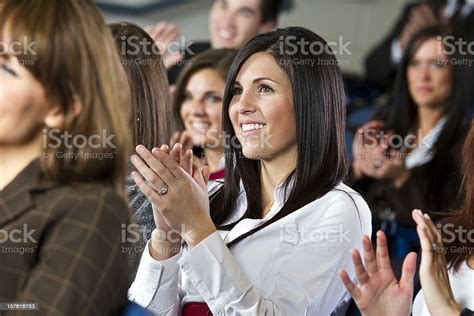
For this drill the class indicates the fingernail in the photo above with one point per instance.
(140, 149)
(134, 158)
(426, 216)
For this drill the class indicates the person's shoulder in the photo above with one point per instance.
(342, 193)
(344, 205)
(87, 201)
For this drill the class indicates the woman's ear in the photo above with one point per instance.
(56, 118)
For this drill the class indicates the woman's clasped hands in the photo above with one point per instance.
(178, 195)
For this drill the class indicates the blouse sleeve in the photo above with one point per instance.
(156, 284)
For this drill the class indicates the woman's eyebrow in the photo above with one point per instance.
(236, 83)
(264, 78)
(209, 92)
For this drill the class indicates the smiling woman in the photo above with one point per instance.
(417, 165)
(198, 106)
(281, 225)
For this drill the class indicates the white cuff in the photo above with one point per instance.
(156, 282)
(214, 272)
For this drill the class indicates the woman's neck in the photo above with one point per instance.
(428, 118)
(13, 159)
(213, 158)
(273, 172)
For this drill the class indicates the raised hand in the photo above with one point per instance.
(366, 149)
(378, 291)
(420, 17)
(164, 34)
(433, 271)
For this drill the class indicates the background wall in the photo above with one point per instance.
(361, 22)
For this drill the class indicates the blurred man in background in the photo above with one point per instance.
(231, 24)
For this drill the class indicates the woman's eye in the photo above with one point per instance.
(413, 63)
(236, 91)
(265, 89)
(439, 64)
(187, 97)
(9, 70)
(214, 98)
(245, 13)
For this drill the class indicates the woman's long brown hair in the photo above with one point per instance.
(460, 249)
(74, 58)
(151, 101)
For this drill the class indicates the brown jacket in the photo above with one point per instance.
(61, 247)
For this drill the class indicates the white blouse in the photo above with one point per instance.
(288, 268)
(462, 284)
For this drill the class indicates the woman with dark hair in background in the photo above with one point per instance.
(447, 263)
(151, 120)
(64, 144)
(198, 107)
(275, 233)
(411, 158)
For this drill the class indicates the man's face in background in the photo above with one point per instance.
(233, 22)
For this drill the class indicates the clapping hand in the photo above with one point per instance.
(178, 197)
(433, 272)
(372, 157)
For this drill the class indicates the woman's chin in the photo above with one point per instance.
(253, 154)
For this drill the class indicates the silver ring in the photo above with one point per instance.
(377, 164)
(434, 247)
(163, 190)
